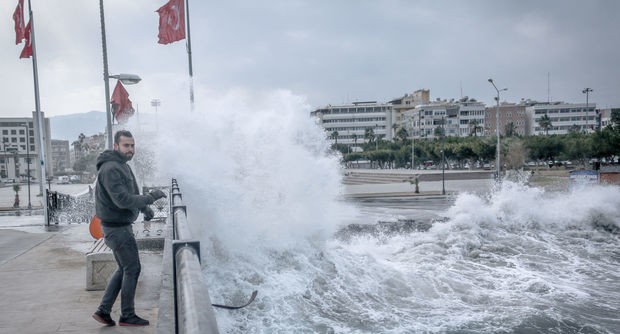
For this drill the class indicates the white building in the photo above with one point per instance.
(19, 147)
(564, 117)
(351, 121)
(471, 118)
(454, 119)
(604, 117)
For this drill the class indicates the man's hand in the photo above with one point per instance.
(157, 194)
(148, 213)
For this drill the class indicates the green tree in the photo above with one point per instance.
(485, 149)
(369, 135)
(544, 148)
(474, 127)
(402, 135)
(510, 130)
(334, 136)
(16, 189)
(439, 132)
(606, 143)
(545, 123)
(86, 163)
(577, 146)
(615, 118)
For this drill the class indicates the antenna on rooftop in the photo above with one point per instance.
(548, 88)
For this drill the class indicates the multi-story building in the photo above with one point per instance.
(20, 147)
(351, 121)
(465, 117)
(401, 105)
(434, 120)
(85, 145)
(564, 117)
(509, 113)
(462, 118)
(603, 118)
(61, 157)
(471, 118)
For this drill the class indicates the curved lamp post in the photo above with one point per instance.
(497, 165)
(443, 172)
(128, 79)
(587, 92)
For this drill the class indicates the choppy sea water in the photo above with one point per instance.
(519, 260)
(263, 192)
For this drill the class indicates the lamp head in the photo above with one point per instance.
(127, 79)
(491, 80)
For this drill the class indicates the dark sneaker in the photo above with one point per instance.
(104, 318)
(132, 321)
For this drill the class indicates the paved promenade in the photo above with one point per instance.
(43, 277)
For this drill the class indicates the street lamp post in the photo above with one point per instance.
(497, 161)
(443, 173)
(376, 137)
(127, 79)
(412, 146)
(587, 92)
(156, 103)
(28, 162)
(6, 167)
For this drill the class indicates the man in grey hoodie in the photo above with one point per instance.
(118, 203)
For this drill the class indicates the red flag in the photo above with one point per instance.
(171, 22)
(121, 105)
(27, 50)
(18, 17)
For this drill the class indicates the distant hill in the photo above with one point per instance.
(69, 127)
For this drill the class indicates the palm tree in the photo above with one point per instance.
(510, 129)
(475, 127)
(335, 137)
(439, 131)
(402, 134)
(369, 134)
(394, 127)
(545, 123)
(415, 181)
(16, 189)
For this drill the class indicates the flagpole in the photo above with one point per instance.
(39, 122)
(189, 56)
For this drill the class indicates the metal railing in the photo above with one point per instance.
(64, 208)
(193, 311)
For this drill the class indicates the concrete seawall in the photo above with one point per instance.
(397, 183)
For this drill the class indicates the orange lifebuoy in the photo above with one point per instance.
(95, 227)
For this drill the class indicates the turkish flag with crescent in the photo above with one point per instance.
(171, 22)
(18, 17)
(121, 105)
(27, 50)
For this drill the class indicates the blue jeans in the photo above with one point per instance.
(125, 279)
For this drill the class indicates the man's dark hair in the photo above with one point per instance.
(124, 133)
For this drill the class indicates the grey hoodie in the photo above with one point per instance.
(117, 197)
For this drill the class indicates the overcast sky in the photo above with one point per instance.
(328, 51)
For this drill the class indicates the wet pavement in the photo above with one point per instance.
(43, 275)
